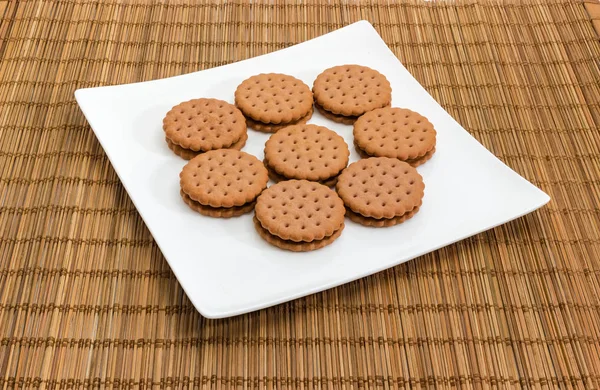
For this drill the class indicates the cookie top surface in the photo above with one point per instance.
(300, 210)
(223, 178)
(380, 187)
(308, 152)
(274, 98)
(351, 90)
(394, 132)
(204, 124)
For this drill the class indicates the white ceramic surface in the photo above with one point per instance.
(223, 265)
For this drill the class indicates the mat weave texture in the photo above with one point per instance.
(87, 299)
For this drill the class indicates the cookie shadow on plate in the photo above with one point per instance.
(148, 131)
(165, 185)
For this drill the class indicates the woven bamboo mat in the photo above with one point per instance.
(87, 300)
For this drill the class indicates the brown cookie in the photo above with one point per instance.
(217, 212)
(345, 120)
(188, 154)
(413, 162)
(274, 98)
(204, 124)
(394, 132)
(295, 246)
(223, 178)
(276, 177)
(380, 187)
(300, 211)
(308, 152)
(351, 90)
(270, 128)
(383, 222)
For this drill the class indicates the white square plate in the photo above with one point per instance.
(223, 265)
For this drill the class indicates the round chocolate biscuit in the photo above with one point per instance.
(394, 132)
(223, 178)
(307, 152)
(292, 245)
(188, 154)
(204, 124)
(300, 210)
(274, 98)
(380, 187)
(271, 128)
(351, 90)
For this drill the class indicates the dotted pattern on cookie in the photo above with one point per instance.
(223, 178)
(394, 132)
(300, 210)
(274, 98)
(382, 222)
(217, 212)
(307, 152)
(204, 124)
(380, 187)
(345, 120)
(276, 177)
(351, 90)
(188, 154)
(270, 128)
(295, 246)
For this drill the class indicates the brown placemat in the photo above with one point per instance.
(87, 300)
